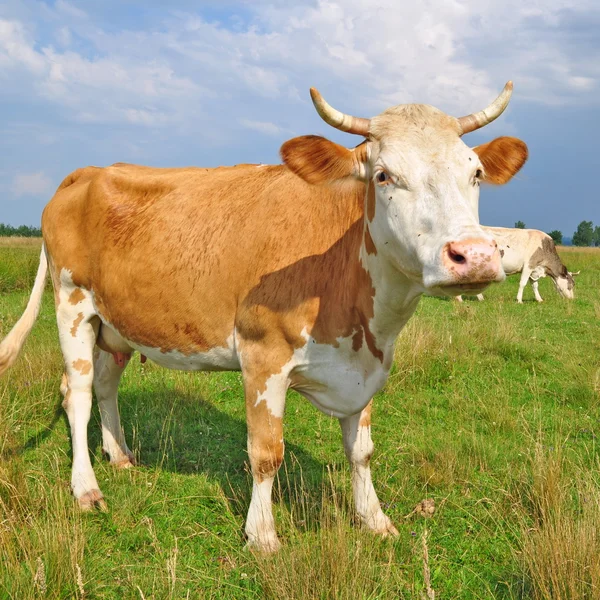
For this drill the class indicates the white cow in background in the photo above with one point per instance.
(532, 253)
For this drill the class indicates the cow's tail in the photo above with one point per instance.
(13, 342)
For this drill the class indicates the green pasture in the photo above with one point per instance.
(492, 410)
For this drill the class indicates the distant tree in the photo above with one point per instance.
(556, 235)
(584, 236)
(22, 231)
(520, 225)
(597, 236)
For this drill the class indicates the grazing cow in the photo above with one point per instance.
(300, 275)
(533, 254)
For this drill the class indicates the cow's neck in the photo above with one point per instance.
(396, 296)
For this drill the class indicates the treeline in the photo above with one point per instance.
(21, 231)
(586, 234)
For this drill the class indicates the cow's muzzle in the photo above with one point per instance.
(470, 265)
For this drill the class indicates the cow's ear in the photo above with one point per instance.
(502, 158)
(317, 160)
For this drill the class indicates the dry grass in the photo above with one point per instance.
(579, 249)
(20, 242)
(560, 529)
(41, 541)
(328, 559)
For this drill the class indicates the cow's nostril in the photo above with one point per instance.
(456, 257)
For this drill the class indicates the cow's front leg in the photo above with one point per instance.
(356, 431)
(265, 401)
(536, 291)
(522, 283)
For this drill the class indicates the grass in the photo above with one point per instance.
(492, 410)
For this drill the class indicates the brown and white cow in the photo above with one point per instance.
(532, 253)
(299, 275)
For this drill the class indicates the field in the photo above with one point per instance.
(492, 410)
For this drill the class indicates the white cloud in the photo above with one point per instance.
(261, 126)
(16, 48)
(186, 72)
(32, 184)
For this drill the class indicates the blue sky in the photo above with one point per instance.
(221, 82)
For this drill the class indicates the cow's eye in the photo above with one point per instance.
(479, 174)
(382, 177)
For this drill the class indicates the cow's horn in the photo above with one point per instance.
(338, 119)
(487, 115)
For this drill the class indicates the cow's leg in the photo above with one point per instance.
(480, 297)
(356, 431)
(107, 374)
(265, 401)
(536, 291)
(524, 279)
(458, 298)
(77, 328)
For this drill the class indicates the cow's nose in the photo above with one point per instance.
(474, 260)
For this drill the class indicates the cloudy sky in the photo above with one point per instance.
(221, 82)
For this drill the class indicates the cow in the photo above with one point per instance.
(299, 275)
(532, 253)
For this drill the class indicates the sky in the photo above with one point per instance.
(212, 83)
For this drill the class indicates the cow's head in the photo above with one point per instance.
(422, 187)
(565, 284)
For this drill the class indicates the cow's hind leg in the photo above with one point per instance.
(107, 374)
(356, 431)
(77, 328)
(265, 401)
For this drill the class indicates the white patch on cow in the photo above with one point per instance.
(260, 524)
(538, 272)
(77, 345)
(339, 381)
(219, 358)
(562, 286)
(274, 393)
(359, 448)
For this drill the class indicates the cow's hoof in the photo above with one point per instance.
(268, 545)
(382, 526)
(126, 462)
(388, 531)
(391, 531)
(92, 500)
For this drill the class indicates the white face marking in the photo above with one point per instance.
(429, 198)
(562, 286)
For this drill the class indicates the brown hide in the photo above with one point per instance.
(177, 257)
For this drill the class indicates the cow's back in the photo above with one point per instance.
(170, 254)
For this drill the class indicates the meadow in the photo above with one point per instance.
(492, 410)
